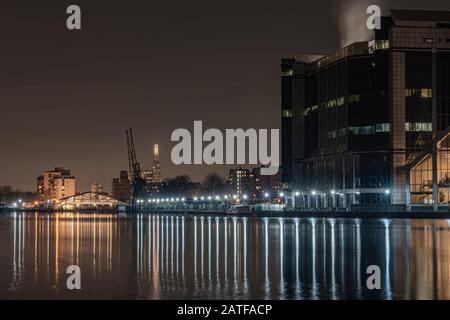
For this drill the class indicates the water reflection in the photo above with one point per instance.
(216, 257)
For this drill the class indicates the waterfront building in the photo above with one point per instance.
(55, 184)
(263, 187)
(147, 175)
(286, 119)
(121, 187)
(238, 181)
(88, 200)
(369, 123)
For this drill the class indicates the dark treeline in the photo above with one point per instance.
(9, 195)
(184, 186)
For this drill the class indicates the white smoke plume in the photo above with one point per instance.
(352, 17)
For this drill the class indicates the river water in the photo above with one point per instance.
(166, 256)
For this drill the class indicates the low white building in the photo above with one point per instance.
(88, 200)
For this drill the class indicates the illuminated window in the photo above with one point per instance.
(366, 130)
(353, 98)
(419, 93)
(427, 93)
(331, 103)
(286, 113)
(418, 127)
(313, 108)
(381, 44)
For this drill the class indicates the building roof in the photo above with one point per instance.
(89, 195)
(308, 58)
(420, 15)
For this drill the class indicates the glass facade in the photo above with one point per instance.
(370, 115)
(286, 119)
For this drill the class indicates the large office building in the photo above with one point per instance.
(368, 124)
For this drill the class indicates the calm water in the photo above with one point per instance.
(209, 257)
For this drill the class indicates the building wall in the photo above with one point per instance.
(63, 187)
(397, 111)
(298, 121)
(287, 66)
(50, 186)
(239, 181)
(121, 187)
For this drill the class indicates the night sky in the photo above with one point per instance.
(66, 97)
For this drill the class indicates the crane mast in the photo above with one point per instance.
(138, 183)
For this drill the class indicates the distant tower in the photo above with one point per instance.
(156, 170)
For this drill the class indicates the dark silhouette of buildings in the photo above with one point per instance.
(252, 184)
(121, 187)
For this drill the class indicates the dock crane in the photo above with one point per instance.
(138, 183)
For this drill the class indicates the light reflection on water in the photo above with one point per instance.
(217, 257)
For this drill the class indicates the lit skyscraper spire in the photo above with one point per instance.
(156, 170)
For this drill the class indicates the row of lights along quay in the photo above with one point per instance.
(366, 128)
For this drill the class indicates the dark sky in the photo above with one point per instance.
(66, 97)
